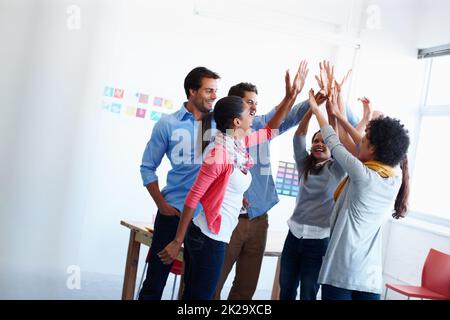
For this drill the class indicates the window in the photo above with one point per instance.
(431, 177)
(430, 188)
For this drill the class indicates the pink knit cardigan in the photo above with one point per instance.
(211, 184)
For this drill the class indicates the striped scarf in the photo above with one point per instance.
(238, 153)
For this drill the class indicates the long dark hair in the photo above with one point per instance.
(310, 162)
(391, 141)
(401, 203)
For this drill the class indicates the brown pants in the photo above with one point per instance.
(246, 248)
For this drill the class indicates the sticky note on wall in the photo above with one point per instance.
(108, 92)
(118, 93)
(157, 101)
(115, 107)
(155, 116)
(143, 98)
(130, 111)
(168, 104)
(140, 113)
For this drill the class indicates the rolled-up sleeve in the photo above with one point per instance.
(154, 152)
(300, 153)
(294, 116)
(292, 119)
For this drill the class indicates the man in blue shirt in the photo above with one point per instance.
(248, 241)
(176, 136)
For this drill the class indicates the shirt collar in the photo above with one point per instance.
(184, 112)
(321, 164)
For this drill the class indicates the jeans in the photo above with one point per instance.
(335, 293)
(203, 258)
(301, 260)
(157, 273)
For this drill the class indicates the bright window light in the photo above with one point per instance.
(429, 188)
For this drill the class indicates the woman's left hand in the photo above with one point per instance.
(170, 252)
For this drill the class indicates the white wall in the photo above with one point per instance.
(433, 25)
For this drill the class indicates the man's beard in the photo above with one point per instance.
(202, 108)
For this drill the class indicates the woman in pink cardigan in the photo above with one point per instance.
(221, 182)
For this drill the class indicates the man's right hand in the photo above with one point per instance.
(167, 210)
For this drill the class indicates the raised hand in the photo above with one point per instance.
(322, 79)
(312, 102)
(333, 105)
(367, 108)
(320, 97)
(302, 73)
(287, 83)
(329, 69)
(344, 80)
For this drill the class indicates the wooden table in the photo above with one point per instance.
(142, 233)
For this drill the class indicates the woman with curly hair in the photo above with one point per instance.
(352, 266)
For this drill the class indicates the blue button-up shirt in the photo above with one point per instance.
(177, 135)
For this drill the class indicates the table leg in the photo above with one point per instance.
(129, 281)
(276, 282)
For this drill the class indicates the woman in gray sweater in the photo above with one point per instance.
(309, 225)
(352, 266)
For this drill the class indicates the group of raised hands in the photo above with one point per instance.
(331, 91)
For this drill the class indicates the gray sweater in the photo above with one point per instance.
(353, 259)
(315, 197)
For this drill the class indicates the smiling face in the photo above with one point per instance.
(319, 149)
(204, 97)
(251, 100)
(246, 119)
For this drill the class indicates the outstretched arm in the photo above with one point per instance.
(302, 129)
(292, 92)
(367, 115)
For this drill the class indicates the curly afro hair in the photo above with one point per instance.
(389, 138)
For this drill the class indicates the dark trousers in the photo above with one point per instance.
(203, 259)
(335, 293)
(157, 273)
(301, 260)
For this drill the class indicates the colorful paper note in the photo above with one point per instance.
(157, 101)
(287, 179)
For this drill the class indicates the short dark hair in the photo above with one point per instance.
(240, 89)
(389, 138)
(194, 78)
(226, 110)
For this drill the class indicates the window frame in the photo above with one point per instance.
(428, 111)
